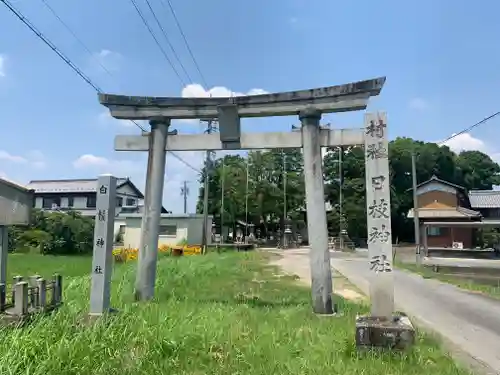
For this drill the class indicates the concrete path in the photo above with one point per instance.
(469, 322)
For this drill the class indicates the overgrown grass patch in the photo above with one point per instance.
(214, 314)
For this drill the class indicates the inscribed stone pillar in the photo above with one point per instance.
(378, 208)
(102, 261)
(321, 273)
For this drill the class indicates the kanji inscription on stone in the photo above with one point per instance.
(378, 209)
(378, 182)
(379, 263)
(101, 215)
(376, 129)
(103, 245)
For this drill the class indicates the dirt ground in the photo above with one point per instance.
(296, 262)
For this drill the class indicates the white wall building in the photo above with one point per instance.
(80, 195)
(174, 229)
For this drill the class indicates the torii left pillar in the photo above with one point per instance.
(150, 226)
(321, 271)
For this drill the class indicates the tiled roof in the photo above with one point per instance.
(445, 213)
(66, 186)
(484, 198)
(436, 179)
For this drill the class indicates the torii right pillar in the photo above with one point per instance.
(321, 271)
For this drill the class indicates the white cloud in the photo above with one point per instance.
(104, 165)
(6, 156)
(466, 142)
(418, 104)
(33, 158)
(195, 90)
(2, 66)
(107, 59)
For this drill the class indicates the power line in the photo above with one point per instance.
(184, 162)
(47, 5)
(75, 68)
(51, 45)
(186, 41)
(466, 130)
(156, 41)
(168, 41)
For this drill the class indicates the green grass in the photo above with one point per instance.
(464, 283)
(45, 265)
(215, 314)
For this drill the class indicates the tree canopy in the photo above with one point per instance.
(268, 171)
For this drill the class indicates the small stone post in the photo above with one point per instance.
(3, 296)
(57, 279)
(34, 290)
(17, 279)
(321, 272)
(42, 293)
(4, 251)
(102, 261)
(21, 293)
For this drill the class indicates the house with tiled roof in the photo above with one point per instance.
(443, 201)
(487, 202)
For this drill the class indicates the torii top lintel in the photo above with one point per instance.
(347, 97)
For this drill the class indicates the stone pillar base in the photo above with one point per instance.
(396, 333)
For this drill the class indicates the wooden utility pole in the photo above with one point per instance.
(185, 193)
(416, 221)
(208, 170)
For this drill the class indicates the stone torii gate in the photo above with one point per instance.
(309, 105)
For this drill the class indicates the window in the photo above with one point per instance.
(49, 203)
(119, 201)
(434, 231)
(71, 201)
(91, 201)
(130, 202)
(168, 230)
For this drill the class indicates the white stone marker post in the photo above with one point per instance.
(378, 209)
(102, 261)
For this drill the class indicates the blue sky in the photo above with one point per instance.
(440, 58)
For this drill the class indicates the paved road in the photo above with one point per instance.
(470, 322)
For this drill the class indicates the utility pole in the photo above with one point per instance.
(416, 220)
(185, 193)
(284, 241)
(208, 170)
(341, 183)
(246, 201)
(222, 183)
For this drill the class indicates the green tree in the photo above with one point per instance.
(471, 169)
(476, 170)
(54, 233)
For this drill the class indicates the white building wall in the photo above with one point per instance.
(189, 227)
